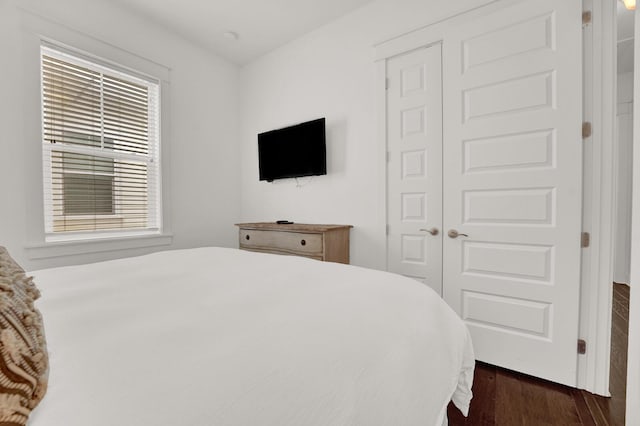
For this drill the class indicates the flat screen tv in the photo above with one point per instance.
(293, 151)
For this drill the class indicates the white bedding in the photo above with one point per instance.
(215, 336)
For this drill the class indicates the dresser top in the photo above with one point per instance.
(293, 227)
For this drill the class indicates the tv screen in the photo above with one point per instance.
(293, 151)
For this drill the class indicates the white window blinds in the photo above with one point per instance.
(100, 148)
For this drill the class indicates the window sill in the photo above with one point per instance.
(75, 247)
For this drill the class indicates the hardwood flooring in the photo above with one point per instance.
(504, 397)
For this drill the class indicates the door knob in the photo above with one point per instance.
(432, 231)
(455, 234)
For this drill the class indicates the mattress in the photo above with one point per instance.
(215, 336)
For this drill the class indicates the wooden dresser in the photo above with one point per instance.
(329, 243)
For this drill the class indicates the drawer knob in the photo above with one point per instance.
(303, 242)
(246, 237)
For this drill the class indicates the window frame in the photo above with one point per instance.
(152, 159)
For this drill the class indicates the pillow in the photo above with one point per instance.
(24, 365)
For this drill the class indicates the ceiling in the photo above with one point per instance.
(261, 25)
(264, 25)
(625, 39)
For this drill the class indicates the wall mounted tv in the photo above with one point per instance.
(293, 151)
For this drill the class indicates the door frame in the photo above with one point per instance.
(600, 100)
(633, 358)
(598, 168)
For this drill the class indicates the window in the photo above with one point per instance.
(100, 148)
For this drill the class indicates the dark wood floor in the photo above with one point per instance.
(503, 397)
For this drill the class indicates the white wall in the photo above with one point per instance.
(624, 169)
(200, 149)
(330, 73)
(625, 87)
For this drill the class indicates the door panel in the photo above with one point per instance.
(512, 183)
(414, 170)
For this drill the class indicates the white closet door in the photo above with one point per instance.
(414, 144)
(512, 167)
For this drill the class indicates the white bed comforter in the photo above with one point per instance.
(215, 336)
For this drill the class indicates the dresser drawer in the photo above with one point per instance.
(329, 243)
(298, 242)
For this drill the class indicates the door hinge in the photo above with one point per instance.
(586, 17)
(585, 239)
(386, 83)
(387, 229)
(586, 129)
(388, 156)
(582, 346)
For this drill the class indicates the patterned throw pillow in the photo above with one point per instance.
(24, 365)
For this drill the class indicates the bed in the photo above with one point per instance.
(217, 336)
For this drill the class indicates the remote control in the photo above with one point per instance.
(284, 222)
